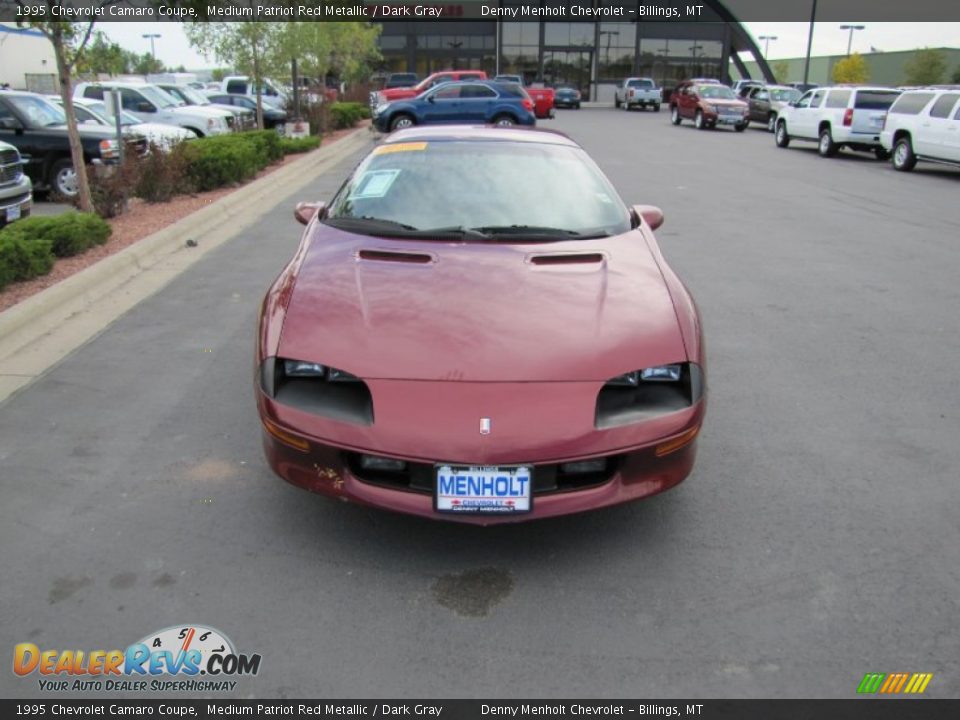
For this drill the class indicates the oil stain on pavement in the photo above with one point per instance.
(473, 593)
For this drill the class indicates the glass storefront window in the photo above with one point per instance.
(563, 33)
(520, 33)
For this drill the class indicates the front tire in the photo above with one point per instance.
(504, 121)
(616, 103)
(656, 107)
(402, 121)
(741, 127)
(675, 115)
(826, 147)
(904, 158)
(698, 122)
(63, 178)
(781, 137)
(772, 122)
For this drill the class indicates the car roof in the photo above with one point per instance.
(481, 133)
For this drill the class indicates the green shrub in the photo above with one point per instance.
(299, 145)
(267, 143)
(22, 258)
(215, 162)
(68, 234)
(348, 114)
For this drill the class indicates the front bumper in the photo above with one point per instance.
(327, 464)
(16, 196)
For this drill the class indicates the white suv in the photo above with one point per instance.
(151, 104)
(837, 117)
(924, 125)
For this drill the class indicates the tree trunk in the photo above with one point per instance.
(84, 199)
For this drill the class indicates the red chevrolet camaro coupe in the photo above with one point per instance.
(476, 328)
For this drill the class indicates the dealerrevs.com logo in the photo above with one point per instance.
(188, 658)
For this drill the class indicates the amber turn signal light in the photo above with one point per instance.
(297, 443)
(677, 443)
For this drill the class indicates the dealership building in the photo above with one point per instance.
(590, 55)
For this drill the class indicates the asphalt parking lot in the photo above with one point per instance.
(817, 540)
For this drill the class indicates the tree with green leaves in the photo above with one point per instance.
(926, 67)
(103, 56)
(69, 40)
(345, 49)
(249, 47)
(852, 69)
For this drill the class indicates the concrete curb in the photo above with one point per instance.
(38, 319)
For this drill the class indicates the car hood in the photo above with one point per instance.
(565, 311)
(726, 102)
(200, 111)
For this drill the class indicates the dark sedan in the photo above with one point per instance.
(567, 96)
(407, 357)
(470, 102)
(272, 117)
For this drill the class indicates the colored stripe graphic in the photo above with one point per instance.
(894, 683)
(871, 682)
(918, 683)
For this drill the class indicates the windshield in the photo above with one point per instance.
(157, 97)
(192, 96)
(784, 95)
(37, 111)
(479, 186)
(101, 109)
(716, 92)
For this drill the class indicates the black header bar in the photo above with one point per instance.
(453, 10)
(865, 709)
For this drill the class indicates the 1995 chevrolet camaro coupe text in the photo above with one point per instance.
(476, 328)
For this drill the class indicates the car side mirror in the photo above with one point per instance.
(431, 99)
(304, 212)
(10, 123)
(650, 214)
(146, 107)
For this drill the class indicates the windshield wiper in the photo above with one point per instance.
(538, 231)
(372, 225)
(369, 225)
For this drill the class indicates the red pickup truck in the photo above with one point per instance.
(543, 97)
(389, 95)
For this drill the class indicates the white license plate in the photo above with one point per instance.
(729, 119)
(483, 489)
(876, 121)
(13, 213)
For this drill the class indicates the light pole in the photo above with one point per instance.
(851, 28)
(151, 37)
(766, 43)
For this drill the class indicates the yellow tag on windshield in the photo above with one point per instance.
(399, 147)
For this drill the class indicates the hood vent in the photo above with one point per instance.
(414, 258)
(568, 259)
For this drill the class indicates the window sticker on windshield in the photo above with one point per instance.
(399, 147)
(604, 198)
(374, 184)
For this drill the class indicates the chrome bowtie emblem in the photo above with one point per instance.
(484, 426)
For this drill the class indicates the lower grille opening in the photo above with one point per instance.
(420, 477)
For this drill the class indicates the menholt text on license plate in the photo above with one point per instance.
(477, 489)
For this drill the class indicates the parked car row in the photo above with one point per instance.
(905, 125)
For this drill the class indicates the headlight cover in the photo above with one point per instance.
(318, 389)
(644, 394)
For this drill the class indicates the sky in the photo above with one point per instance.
(173, 49)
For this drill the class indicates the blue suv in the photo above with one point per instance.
(470, 102)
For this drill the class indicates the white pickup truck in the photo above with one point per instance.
(638, 91)
(151, 104)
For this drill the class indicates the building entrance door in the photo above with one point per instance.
(570, 67)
